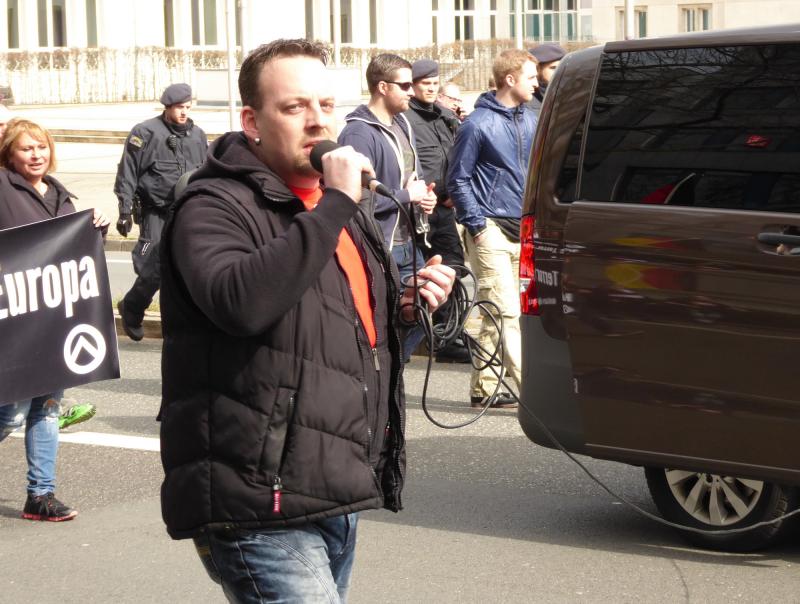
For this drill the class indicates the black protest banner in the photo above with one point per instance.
(56, 320)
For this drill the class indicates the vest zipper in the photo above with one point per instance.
(277, 488)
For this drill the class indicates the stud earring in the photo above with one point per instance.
(257, 140)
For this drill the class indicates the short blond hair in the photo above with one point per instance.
(509, 62)
(16, 128)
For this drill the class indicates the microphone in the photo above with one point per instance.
(367, 181)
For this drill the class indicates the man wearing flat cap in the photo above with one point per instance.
(157, 152)
(434, 128)
(548, 57)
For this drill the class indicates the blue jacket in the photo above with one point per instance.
(367, 135)
(489, 162)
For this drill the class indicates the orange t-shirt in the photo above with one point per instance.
(352, 265)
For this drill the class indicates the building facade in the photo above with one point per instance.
(200, 24)
(656, 18)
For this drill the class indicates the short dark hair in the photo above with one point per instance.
(258, 57)
(382, 67)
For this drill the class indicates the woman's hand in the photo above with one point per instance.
(100, 220)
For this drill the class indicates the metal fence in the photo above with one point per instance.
(106, 75)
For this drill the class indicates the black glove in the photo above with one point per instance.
(124, 224)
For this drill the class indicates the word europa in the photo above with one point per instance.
(52, 284)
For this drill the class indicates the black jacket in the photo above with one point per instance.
(435, 129)
(269, 381)
(155, 156)
(21, 204)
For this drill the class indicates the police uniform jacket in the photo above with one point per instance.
(434, 128)
(275, 408)
(156, 154)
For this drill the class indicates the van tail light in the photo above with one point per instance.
(528, 297)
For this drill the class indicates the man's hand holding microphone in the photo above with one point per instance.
(345, 169)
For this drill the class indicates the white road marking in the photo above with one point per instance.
(102, 439)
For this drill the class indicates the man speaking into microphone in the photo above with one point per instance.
(283, 408)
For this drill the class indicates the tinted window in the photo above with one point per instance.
(706, 127)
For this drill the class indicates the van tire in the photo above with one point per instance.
(772, 501)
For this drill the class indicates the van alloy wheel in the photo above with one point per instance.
(715, 502)
(714, 499)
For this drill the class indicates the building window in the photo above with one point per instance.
(373, 21)
(41, 18)
(346, 21)
(210, 21)
(91, 23)
(204, 23)
(546, 20)
(52, 23)
(309, 19)
(58, 10)
(639, 23)
(696, 18)
(12, 13)
(169, 23)
(465, 19)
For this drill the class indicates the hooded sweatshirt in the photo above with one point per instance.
(369, 136)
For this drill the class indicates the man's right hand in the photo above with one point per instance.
(342, 169)
(417, 190)
(124, 224)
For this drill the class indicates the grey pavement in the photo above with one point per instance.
(489, 517)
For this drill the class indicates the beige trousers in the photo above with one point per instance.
(495, 262)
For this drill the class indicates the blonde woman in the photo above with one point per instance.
(28, 193)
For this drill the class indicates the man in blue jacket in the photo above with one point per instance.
(486, 180)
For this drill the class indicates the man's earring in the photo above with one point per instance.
(257, 140)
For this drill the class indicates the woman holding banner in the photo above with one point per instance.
(29, 194)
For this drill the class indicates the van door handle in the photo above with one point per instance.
(776, 239)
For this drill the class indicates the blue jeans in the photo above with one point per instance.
(40, 416)
(403, 256)
(307, 563)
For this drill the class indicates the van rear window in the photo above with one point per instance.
(705, 127)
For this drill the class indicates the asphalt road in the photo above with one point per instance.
(489, 518)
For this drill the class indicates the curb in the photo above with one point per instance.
(119, 245)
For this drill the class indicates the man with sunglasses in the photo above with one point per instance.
(380, 131)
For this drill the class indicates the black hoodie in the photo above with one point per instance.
(269, 381)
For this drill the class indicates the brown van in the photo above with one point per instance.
(661, 272)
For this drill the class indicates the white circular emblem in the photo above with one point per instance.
(84, 338)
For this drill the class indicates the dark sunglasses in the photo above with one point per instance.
(405, 86)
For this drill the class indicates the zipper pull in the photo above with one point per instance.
(375, 361)
(276, 495)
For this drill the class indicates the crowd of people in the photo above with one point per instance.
(288, 303)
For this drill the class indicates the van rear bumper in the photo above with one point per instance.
(547, 390)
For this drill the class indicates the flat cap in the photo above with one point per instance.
(547, 53)
(424, 68)
(176, 93)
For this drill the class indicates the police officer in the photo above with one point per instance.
(548, 57)
(434, 129)
(157, 152)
